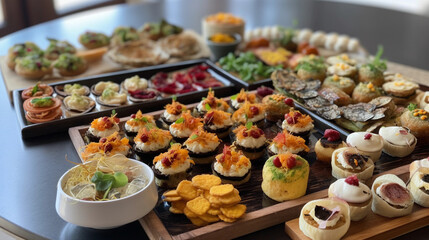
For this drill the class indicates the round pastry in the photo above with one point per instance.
(101, 128)
(70, 89)
(38, 90)
(398, 142)
(417, 121)
(416, 165)
(219, 122)
(92, 55)
(98, 88)
(365, 92)
(348, 161)
(171, 167)
(138, 54)
(325, 219)
(212, 102)
(342, 58)
(56, 48)
(284, 142)
(369, 144)
(70, 65)
(401, 91)
(325, 146)
(33, 66)
(419, 183)
(345, 84)
(311, 67)
(150, 142)
(202, 146)
(355, 193)
(93, 40)
(21, 50)
(181, 45)
(342, 70)
(134, 83)
(285, 177)
(136, 122)
(222, 23)
(251, 140)
(111, 98)
(276, 106)
(78, 103)
(107, 146)
(250, 112)
(391, 197)
(238, 99)
(173, 111)
(42, 109)
(183, 127)
(368, 73)
(298, 124)
(122, 35)
(232, 166)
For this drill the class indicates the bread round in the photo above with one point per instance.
(339, 172)
(325, 154)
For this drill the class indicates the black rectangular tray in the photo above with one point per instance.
(32, 130)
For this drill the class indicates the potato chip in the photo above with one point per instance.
(180, 205)
(209, 218)
(188, 213)
(213, 211)
(198, 205)
(235, 211)
(221, 190)
(214, 205)
(214, 200)
(231, 198)
(171, 193)
(206, 194)
(206, 181)
(172, 199)
(198, 221)
(186, 190)
(175, 210)
(226, 219)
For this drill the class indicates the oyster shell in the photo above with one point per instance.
(88, 108)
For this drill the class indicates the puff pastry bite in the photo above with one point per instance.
(419, 184)
(325, 219)
(397, 141)
(391, 197)
(349, 161)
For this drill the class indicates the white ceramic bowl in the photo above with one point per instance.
(107, 214)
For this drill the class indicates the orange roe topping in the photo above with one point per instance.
(248, 109)
(230, 156)
(243, 96)
(103, 123)
(214, 102)
(202, 137)
(226, 18)
(175, 108)
(187, 121)
(107, 146)
(216, 117)
(140, 120)
(152, 135)
(175, 157)
(290, 141)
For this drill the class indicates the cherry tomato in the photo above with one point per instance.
(301, 46)
(310, 50)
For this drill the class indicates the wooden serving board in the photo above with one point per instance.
(373, 226)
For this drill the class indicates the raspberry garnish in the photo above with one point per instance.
(291, 162)
(352, 180)
(331, 135)
(367, 136)
(277, 162)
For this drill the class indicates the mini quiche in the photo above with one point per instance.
(93, 40)
(171, 167)
(202, 146)
(38, 90)
(232, 166)
(150, 142)
(250, 112)
(136, 122)
(369, 73)
(107, 146)
(218, 122)
(345, 84)
(251, 140)
(365, 92)
(70, 65)
(417, 121)
(42, 109)
(311, 67)
(21, 50)
(401, 91)
(173, 111)
(212, 102)
(238, 99)
(183, 127)
(56, 48)
(33, 67)
(298, 124)
(102, 127)
(285, 142)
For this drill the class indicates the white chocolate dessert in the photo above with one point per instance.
(348, 161)
(397, 141)
(368, 144)
(419, 183)
(391, 198)
(355, 193)
(325, 219)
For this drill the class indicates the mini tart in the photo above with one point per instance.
(173, 111)
(238, 99)
(171, 167)
(70, 89)
(275, 107)
(111, 98)
(255, 113)
(419, 186)
(79, 104)
(391, 197)
(397, 141)
(33, 67)
(317, 220)
(93, 40)
(343, 58)
(183, 127)
(401, 91)
(365, 92)
(232, 166)
(285, 142)
(98, 88)
(150, 142)
(298, 124)
(134, 83)
(285, 177)
(219, 122)
(369, 144)
(21, 50)
(325, 148)
(345, 84)
(42, 109)
(211, 102)
(70, 65)
(358, 197)
(56, 48)
(107, 146)
(311, 67)
(342, 70)
(136, 122)
(348, 161)
(370, 73)
(102, 127)
(39, 90)
(122, 35)
(418, 123)
(202, 146)
(251, 140)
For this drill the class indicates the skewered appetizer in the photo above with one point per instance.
(70, 65)
(397, 141)
(183, 127)
(212, 102)
(349, 161)
(33, 66)
(150, 142)
(232, 166)
(101, 128)
(325, 219)
(355, 193)
(171, 167)
(419, 183)
(325, 146)
(110, 97)
(98, 88)
(345, 84)
(311, 67)
(21, 50)
(38, 90)
(136, 122)
(365, 92)
(276, 106)
(251, 140)
(238, 99)
(391, 197)
(219, 122)
(417, 121)
(401, 91)
(42, 109)
(369, 144)
(78, 103)
(285, 142)
(342, 70)
(298, 124)
(202, 146)
(134, 83)
(173, 111)
(56, 48)
(250, 112)
(107, 146)
(285, 177)
(93, 40)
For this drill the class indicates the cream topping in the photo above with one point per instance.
(233, 171)
(169, 171)
(111, 97)
(198, 148)
(236, 104)
(170, 117)
(132, 128)
(135, 83)
(273, 148)
(373, 144)
(180, 133)
(330, 223)
(100, 86)
(251, 142)
(104, 133)
(350, 193)
(397, 136)
(226, 123)
(295, 129)
(77, 102)
(152, 146)
(74, 89)
(341, 69)
(343, 58)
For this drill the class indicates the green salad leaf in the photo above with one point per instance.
(412, 106)
(104, 181)
(35, 89)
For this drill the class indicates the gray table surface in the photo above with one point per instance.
(30, 169)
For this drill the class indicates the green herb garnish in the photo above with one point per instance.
(207, 106)
(174, 97)
(105, 182)
(42, 102)
(233, 97)
(249, 125)
(35, 89)
(113, 112)
(412, 107)
(194, 136)
(180, 120)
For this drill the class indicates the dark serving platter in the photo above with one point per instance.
(32, 130)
